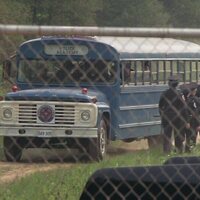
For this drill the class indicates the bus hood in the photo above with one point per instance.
(57, 94)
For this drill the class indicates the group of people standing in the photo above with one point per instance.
(180, 114)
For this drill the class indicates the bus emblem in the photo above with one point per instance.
(46, 113)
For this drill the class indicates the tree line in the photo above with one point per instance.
(110, 13)
(118, 13)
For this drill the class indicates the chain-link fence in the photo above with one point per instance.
(174, 181)
(77, 89)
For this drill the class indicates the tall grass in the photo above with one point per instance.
(62, 184)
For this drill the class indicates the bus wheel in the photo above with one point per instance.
(12, 149)
(154, 141)
(98, 147)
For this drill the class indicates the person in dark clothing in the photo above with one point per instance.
(174, 116)
(193, 103)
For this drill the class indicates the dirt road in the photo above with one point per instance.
(44, 160)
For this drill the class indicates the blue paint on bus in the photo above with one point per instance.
(90, 73)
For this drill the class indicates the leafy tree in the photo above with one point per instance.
(183, 13)
(132, 13)
(62, 12)
(37, 12)
(13, 12)
(81, 12)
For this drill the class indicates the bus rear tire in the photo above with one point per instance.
(98, 147)
(12, 150)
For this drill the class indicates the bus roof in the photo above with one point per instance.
(153, 48)
(58, 38)
(71, 47)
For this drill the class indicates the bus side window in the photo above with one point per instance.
(143, 73)
(146, 72)
(125, 72)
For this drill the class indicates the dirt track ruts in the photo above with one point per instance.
(44, 160)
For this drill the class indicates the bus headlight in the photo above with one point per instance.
(85, 115)
(7, 113)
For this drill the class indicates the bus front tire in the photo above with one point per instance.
(98, 146)
(12, 150)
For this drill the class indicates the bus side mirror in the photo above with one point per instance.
(7, 69)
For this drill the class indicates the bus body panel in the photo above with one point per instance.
(123, 110)
(139, 115)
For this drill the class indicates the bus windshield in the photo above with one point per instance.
(66, 71)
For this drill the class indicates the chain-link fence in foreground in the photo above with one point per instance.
(179, 180)
(81, 92)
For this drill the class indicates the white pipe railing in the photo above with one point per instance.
(99, 31)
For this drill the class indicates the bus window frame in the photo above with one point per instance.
(169, 67)
(9, 71)
(103, 81)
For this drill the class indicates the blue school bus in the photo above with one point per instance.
(76, 92)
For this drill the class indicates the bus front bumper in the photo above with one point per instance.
(49, 132)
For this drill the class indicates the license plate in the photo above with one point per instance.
(45, 133)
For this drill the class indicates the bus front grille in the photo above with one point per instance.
(63, 115)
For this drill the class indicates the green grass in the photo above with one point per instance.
(62, 184)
